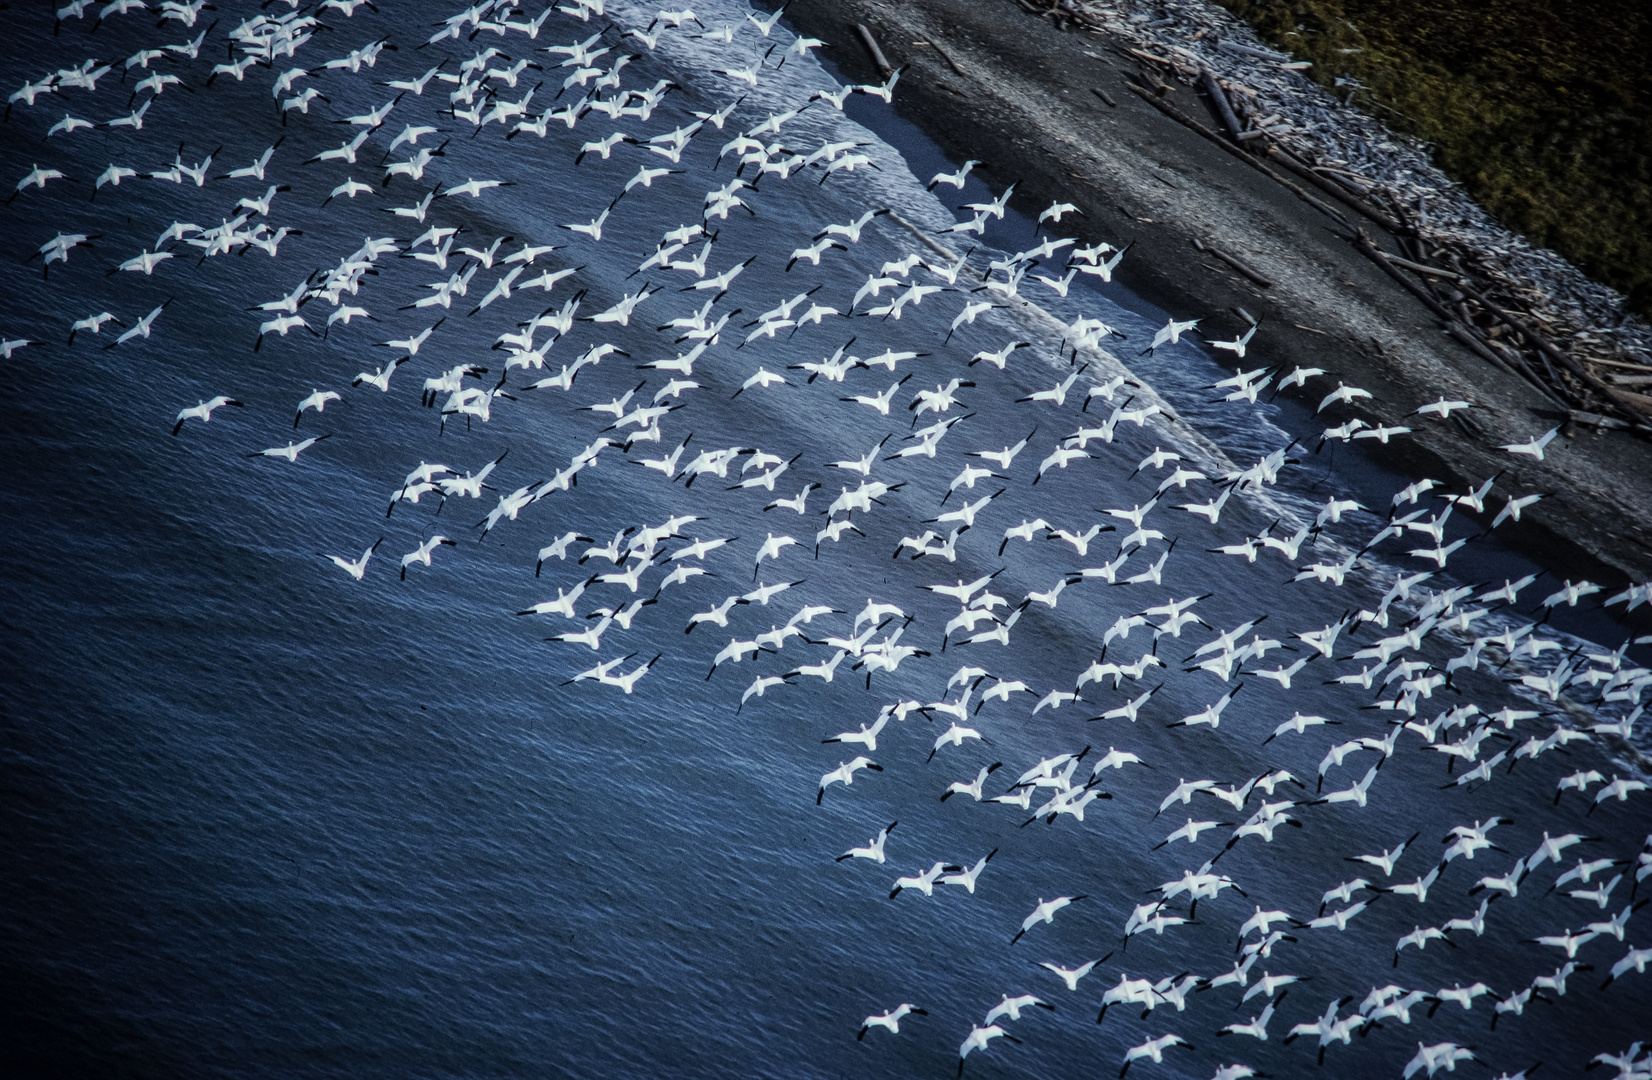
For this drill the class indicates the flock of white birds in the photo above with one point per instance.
(568, 77)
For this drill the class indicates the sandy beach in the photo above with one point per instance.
(1054, 112)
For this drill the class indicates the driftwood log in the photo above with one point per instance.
(871, 44)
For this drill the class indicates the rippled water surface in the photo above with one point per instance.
(263, 818)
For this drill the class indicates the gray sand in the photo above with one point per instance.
(1024, 103)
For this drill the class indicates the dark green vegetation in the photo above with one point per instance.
(1541, 109)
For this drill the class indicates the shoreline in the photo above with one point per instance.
(1056, 113)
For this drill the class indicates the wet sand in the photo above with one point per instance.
(986, 80)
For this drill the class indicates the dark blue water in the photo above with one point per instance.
(261, 818)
